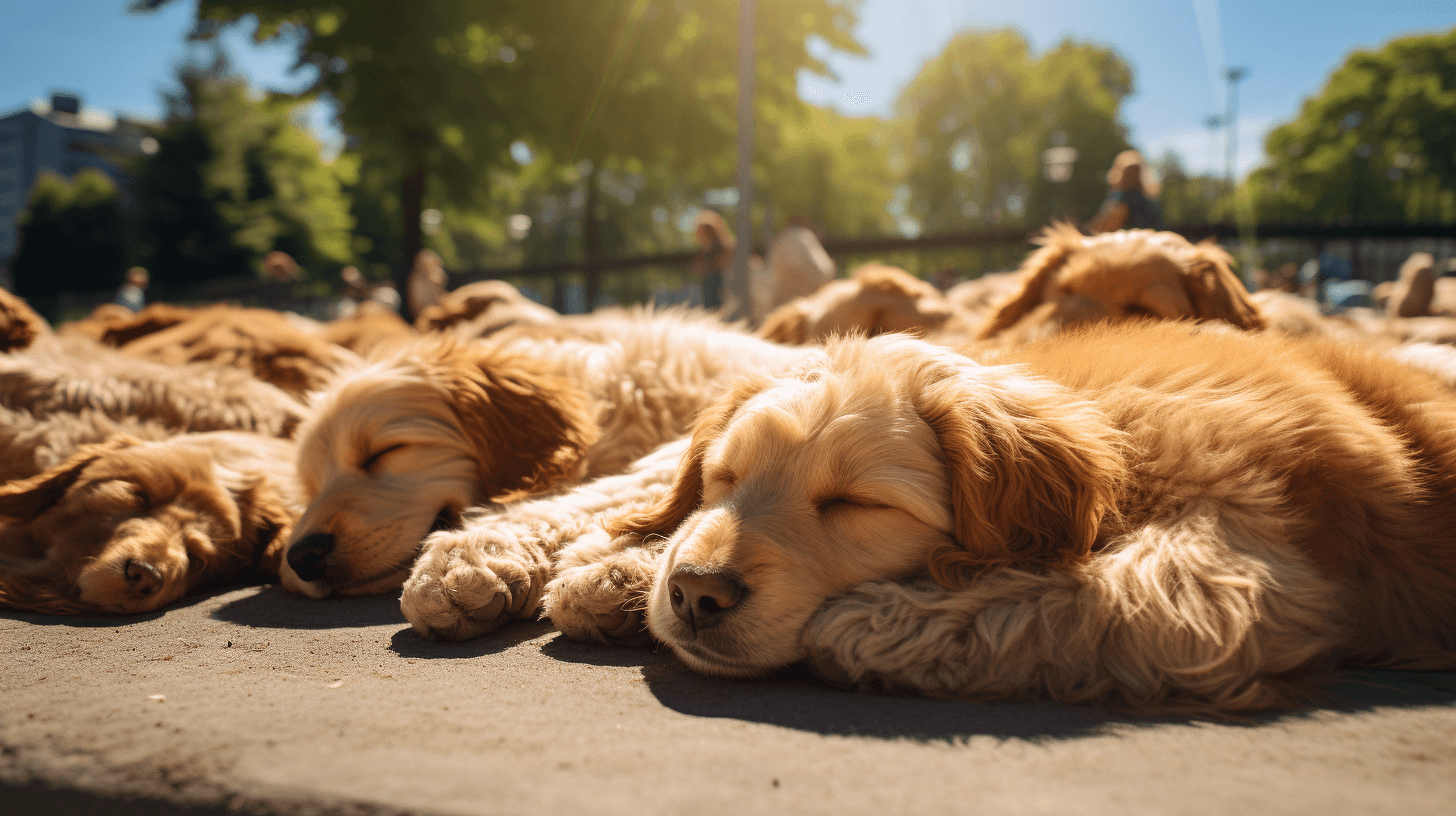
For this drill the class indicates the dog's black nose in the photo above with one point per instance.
(142, 577)
(307, 555)
(700, 599)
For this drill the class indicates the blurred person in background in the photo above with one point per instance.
(133, 292)
(715, 256)
(1132, 203)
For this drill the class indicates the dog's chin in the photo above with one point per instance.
(316, 589)
(714, 654)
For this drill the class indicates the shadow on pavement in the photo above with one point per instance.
(407, 643)
(795, 699)
(274, 608)
(107, 620)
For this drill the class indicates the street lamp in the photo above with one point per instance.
(1231, 118)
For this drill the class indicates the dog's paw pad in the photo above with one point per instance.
(465, 597)
(600, 603)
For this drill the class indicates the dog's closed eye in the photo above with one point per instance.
(374, 458)
(834, 504)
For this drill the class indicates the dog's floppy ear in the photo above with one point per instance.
(1032, 471)
(529, 427)
(686, 492)
(1216, 292)
(1058, 242)
(24, 499)
(17, 592)
(788, 324)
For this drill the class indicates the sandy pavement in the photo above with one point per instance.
(252, 700)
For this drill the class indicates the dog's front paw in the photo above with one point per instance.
(456, 594)
(603, 601)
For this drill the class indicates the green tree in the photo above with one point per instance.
(436, 93)
(1191, 198)
(978, 116)
(1374, 145)
(235, 177)
(73, 237)
(834, 170)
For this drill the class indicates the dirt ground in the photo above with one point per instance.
(252, 700)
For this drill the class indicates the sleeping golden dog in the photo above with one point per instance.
(1128, 274)
(403, 446)
(130, 526)
(1151, 515)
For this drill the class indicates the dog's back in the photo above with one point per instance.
(1345, 454)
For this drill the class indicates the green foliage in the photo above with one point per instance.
(73, 237)
(443, 89)
(237, 176)
(1375, 145)
(1191, 199)
(834, 170)
(980, 114)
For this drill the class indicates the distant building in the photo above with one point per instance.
(63, 138)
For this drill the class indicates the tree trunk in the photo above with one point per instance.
(411, 204)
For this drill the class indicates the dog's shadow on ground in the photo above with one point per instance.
(796, 699)
(271, 607)
(407, 643)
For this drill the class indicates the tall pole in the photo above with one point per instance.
(743, 220)
(1231, 121)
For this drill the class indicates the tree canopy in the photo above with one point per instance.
(436, 93)
(235, 177)
(73, 237)
(978, 116)
(1375, 144)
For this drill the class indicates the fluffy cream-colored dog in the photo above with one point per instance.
(402, 447)
(1149, 515)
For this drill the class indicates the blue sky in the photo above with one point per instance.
(119, 61)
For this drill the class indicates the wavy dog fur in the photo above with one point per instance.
(73, 374)
(405, 445)
(1151, 515)
(130, 526)
(1128, 274)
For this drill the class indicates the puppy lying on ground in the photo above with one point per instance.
(874, 300)
(130, 526)
(33, 443)
(405, 445)
(72, 374)
(1128, 274)
(1148, 515)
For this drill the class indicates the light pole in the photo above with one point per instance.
(743, 220)
(1231, 119)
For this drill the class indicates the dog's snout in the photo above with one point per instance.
(307, 555)
(142, 577)
(701, 598)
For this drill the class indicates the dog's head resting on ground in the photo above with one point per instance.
(401, 446)
(130, 526)
(1122, 275)
(876, 299)
(877, 458)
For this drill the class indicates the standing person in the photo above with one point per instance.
(1132, 203)
(133, 293)
(715, 256)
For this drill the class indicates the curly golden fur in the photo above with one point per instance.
(71, 374)
(130, 526)
(405, 445)
(266, 343)
(874, 300)
(482, 308)
(20, 325)
(1148, 515)
(1128, 274)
